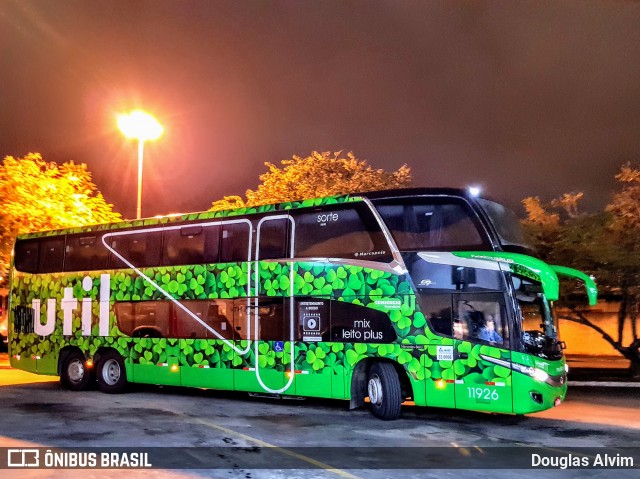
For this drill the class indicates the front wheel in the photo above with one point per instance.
(74, 373)
(112, 377)
(385, 392)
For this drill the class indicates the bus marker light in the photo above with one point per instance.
(174, 368)
(440, 384)
(89, 363)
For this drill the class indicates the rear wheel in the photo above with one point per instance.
(74, 373)
(385, 393)
(112, 377)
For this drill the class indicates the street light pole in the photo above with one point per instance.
(140, 161)
(140, 126)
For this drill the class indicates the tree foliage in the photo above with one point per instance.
(605, 244)
(37, 195)
(317, 175)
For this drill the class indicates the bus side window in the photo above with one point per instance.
(213, 313)
(139, 249)
(26, 255)
(219, 317)
(241, 318)
(482, 317)
(143, 318)
(51, 255)
(270, 319)
(191, 245)
(437, 310)
(85, 253)
(235, 243)
(340, 232)
(273, 239)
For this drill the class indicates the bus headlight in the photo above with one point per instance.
(539, 375)
(535, 373)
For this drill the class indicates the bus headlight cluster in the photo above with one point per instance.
(535, 373)
(539, 375)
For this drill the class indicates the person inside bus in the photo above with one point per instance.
(458, 330)
(487, 331)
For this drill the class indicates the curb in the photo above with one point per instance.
(604, 384)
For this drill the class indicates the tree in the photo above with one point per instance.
(228, 203)
(36, 195)
(317, 175)
(605, 244)
(625, 232)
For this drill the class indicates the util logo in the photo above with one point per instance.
(69, 304)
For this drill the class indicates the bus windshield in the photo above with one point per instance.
(506, 223)
(539, 329)
(432, 223)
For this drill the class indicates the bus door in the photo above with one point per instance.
(482, 360)
(271, 308)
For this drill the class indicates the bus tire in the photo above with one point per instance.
(385, 392)
(111, 373)
(74, 373)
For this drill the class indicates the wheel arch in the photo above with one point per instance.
(359, 380)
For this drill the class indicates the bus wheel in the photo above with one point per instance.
(74, 374)
(385, 394)
(112, 377)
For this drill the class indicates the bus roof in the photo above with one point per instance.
(291, 205)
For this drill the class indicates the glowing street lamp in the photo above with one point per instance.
(142, 127)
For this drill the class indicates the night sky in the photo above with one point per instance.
(521, 97)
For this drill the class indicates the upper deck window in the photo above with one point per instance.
(26, 255)
(140, 248)
(340, 231)
(422, 224)
(191, 245)
(85, 252)
(51, 254)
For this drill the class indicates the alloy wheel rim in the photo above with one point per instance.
(111, 372)
(75, 371)
(375, 390)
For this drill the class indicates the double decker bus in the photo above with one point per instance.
(423, 295)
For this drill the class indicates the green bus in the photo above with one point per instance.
(423, 295)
